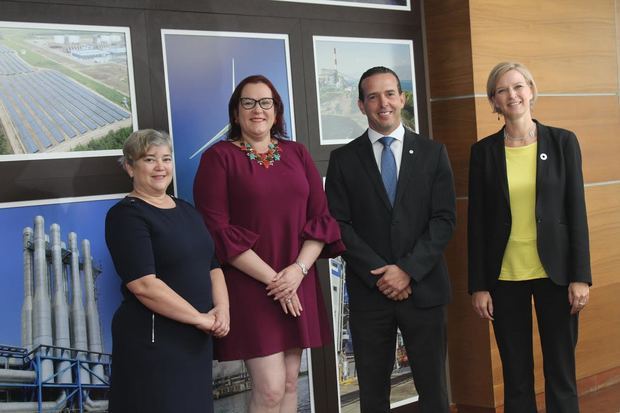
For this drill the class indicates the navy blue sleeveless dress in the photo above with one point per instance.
(160, 365)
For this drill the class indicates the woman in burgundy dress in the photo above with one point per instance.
(263, 201)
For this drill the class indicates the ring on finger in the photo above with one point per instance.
(288, 300)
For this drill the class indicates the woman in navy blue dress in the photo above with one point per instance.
(175, 296)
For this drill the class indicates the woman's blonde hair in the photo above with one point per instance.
(499, 70)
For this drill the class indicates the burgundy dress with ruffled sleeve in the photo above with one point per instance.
(271, 211)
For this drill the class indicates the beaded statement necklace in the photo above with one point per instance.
(265, 159)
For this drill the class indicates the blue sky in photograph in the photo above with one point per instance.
(200, 82)
(355, 57)
(87, 220)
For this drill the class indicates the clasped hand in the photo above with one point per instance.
(394, 283)
(216, 321)
(283, 288)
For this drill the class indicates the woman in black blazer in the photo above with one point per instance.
(528, 237)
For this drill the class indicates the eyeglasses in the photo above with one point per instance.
(249, 103)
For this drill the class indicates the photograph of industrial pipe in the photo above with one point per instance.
(58, 293)
(403, 389)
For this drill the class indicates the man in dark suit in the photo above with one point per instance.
(392, 192)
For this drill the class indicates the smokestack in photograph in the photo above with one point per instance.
(41, 308)
(78, 318)
(62, 335)
(92, 314)
(28, 292)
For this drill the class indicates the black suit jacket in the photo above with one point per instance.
(561, 222)
(412, 234)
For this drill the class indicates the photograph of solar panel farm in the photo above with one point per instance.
(64, 89)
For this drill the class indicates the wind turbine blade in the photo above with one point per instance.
(214, 139)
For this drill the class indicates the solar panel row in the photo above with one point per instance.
(101, 103)
(26, 137)
(47, 104)
(88, 109)
(33, 101)
(59, 104)
(11, 64)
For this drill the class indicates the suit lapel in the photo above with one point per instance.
(367, 157)
(499, 156)
(541, 158)
(407, 164)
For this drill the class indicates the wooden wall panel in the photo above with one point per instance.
(449, 48)
(568, 44)
(596, 122)
(618, 46)
(603, 203)
(469, 339)
(598, 349)
(454, 124)
(487, 122)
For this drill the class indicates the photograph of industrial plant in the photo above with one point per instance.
(201, 70)
(339, 63)
(403, 388)
(59, 292)
(64, 89)
(58, 296)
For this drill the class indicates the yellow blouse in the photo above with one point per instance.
(521, 261)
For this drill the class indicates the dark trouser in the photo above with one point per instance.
(374, 344)
(512, 303)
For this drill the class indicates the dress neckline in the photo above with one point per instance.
(132, 198)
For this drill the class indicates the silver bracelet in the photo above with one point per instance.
(304, 269)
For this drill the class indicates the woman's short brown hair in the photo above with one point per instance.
(139, 142)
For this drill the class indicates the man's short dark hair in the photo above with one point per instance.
(375, 71)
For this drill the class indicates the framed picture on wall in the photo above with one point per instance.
(403, 389)
(82, 219)
(201, 70)
(375, 4)
(66, 91)
(339, 63)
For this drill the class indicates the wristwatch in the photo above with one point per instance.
(304, 269)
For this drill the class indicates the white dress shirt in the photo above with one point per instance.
(397, 145)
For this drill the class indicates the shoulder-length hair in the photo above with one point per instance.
(278, 130)
(499, 70)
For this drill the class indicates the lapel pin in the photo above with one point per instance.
(410, 151)
(543, 156)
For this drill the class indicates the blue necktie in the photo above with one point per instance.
(388, 168)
